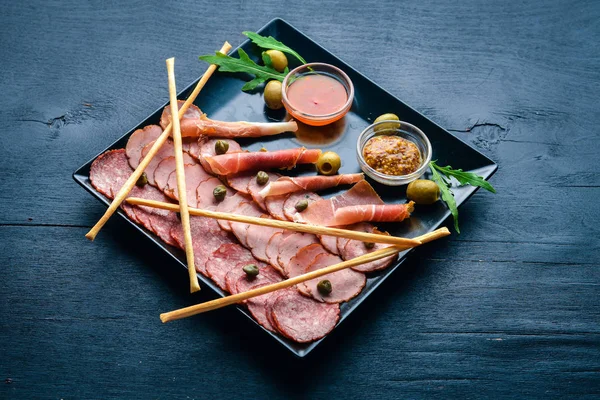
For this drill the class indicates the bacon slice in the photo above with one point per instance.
(227, 164)
(286, 184)
(195, 123)
(380, 213)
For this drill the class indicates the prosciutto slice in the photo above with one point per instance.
(227, 164)
(195, 123)
(369, 212)
(286, 184)
(322, 212)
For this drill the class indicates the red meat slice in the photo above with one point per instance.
(370, 212)
(330, 243)
(257, 238)
(206, 147)
(254, 188)
(237, 272)
(272, 250)
(286, 184)
(302, 319)
(290, 246)
(346, 283)
(239, 229)
(289, 206)
(191, 114)
(205, 196)
(109, 172)
(138, 140)
(274, 206)
(167, 150)
(194, 176)
(224, 259)
(240, 181)
(303, 258)
(355, 248)
(228, 205)
(227, 164)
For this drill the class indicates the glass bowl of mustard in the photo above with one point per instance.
(393, 152)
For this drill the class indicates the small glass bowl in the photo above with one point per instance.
(406, 131)
(317, 69)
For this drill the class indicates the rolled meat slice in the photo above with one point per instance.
(289, 206)
(224, 259)
(370, 212)
(290, 246)
(286, 184)
(227, 164)
(302, 319)
(346, 283)
(138, 140)
(254, 189)
(205, 196)
(195, 123)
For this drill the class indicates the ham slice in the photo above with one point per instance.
(272, 250)
(204, 194)
(286, 184)
(289, 246)
(195, 123)
(274, 206)
(322, 212)
(224, 259)
(240, 181)
(206, 146)
(346, 283)
(138, 140)
(303, 258)
(194, 176)
(227, 164)
(254, 189)
(257, 238)
(370, 212)
(289, 206)
(235, 274)
(350, 249)
(228, 205)
(239, 229)
(163, 171)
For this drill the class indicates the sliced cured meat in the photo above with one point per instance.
(228, 205)
(370, 212)
(266, 275)
(210, 127)
(355, 248)
(302, 319)
(191, 114)
(138, 140)
(289, 206)
(109, 172)
(254, 189)
(322, 212)
(345, 284)
(167, 150)
(206, 146)
(257, 238)
(274, 206)
(303, 258)
(224, 259)
(194, 176)
(205, 196)
(249, 209)
(270, 300)
(162, 225)
(272, 249)
(287, 184)
(191, 146)
(227, 164)
(258, 309)
(290, 246)
(237, 273)
(163, 170)
(207, 237)
(330, 243)
(361, 227)
(240, 181)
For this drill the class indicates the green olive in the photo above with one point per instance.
(142, 180)
(278, 59)
(423, 191)
(329, 163)
(251, 270)
(220, 192)
(369, 245)
(324, 287)
(389, 126)
(301, 205)
(221, 147)
(272, 95)
(262, 178)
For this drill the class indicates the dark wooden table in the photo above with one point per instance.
(510, 308)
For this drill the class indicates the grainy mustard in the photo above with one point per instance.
(392, 155)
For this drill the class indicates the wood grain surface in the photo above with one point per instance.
(508, 309)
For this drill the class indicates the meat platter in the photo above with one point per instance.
(222, 99)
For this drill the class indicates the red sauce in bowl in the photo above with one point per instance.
(317, 95)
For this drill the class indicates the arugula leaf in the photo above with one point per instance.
(272, 44)
(463, 177)
(447, 195)
(244, 64)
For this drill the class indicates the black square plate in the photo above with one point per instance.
(222, 99)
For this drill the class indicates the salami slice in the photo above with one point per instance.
(302, 319)
(289, 206)
(270, 300)
(204, 193)
(109, 172)
(224, 259)
(254, 189)
(303, 258)
(346, 283)
(290, 246)
(138, 140)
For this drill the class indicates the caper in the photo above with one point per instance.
(389, 126)
(272, 95)
(221, 147)
(324, 287)
(423, 191)
(262, 178)
(301, 205)
(369, 245)
(142, 180)
(329, 163)
(251, 270)
(220, 192)
(278, 59)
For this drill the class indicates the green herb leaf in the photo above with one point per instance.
(464, 177)
(272, 44)
(447, 195)
(267, 60)
(243, 64)
(251, 85)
